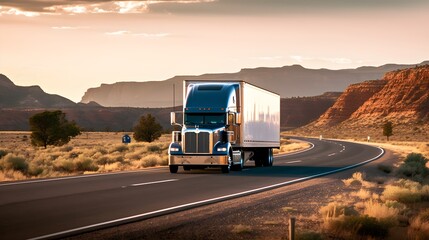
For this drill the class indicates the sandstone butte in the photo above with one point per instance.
(401, 96)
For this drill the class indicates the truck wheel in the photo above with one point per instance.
(267, 157)
(174, 169)
(257, 158)
(225, 169)
(239, 167)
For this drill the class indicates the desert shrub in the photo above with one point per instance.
(103, 160)
(405, 191)
(351, 227)
(335, 210)
(85, 164)
(419, 226)
(2, 153)
(164, 161)
(133, 156)
(120, 148)
(35, 170)
(362, 194)
(74, 154)
(14, 162)
(383, 213)
(150, 160)
(64, 165)
(414, 167)
(66, 148)
(154, 148)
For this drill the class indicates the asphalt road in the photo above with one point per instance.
(53, 208)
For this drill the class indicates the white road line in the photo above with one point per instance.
(332, 154)
(81, 176)
(198, 203)
(149, 183)
(297, 161)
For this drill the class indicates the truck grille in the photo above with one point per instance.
(197, 143)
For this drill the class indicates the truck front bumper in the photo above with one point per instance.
(208, 160)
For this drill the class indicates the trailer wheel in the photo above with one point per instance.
(267, 157)
(187, 168)
(174, 169)
(257, 157)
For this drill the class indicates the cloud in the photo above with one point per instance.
(147, 35)
(69, 27)
(38, 7)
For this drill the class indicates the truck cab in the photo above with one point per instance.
(211, 130)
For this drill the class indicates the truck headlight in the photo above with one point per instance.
(221, 149)
(174, 149)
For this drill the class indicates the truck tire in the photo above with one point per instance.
(239, 167)
(226, 169)
(173, 168)
(257, 157)
(267, 157)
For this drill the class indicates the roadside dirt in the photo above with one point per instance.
(260, 216)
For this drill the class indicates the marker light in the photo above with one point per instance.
(173, 149)
(221, 149)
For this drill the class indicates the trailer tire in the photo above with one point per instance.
(267, 157)
(174, 168)
(187, 168)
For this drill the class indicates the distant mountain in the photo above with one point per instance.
(12, 96)
(401, 97)
(299, 111)
(288, 81)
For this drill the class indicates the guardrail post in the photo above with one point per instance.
(292, 228)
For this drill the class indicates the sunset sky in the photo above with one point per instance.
(67, 47)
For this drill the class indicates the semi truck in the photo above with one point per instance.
(224, 124)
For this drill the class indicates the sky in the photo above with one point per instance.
(67, 47)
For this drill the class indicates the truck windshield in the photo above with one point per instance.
(204, 119)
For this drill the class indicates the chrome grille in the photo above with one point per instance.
(203, 142)
(197, 143)
(190, 142)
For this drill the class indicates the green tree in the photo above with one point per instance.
(388, 129)
(147, 129)
(52, 128)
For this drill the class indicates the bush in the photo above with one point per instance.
(405, 191)
(120, 148)
(414, 167)
(86, 164)
(3, 153)
(13, 162)
(150, 160)
(363, 226)
(335, 210)
(419, 226)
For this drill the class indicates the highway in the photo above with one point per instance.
(58, 207)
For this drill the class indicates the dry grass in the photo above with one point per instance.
(91, 152)
(290, 145)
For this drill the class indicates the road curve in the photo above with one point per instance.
(53, 208)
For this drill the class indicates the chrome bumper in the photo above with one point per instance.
(197, 160)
